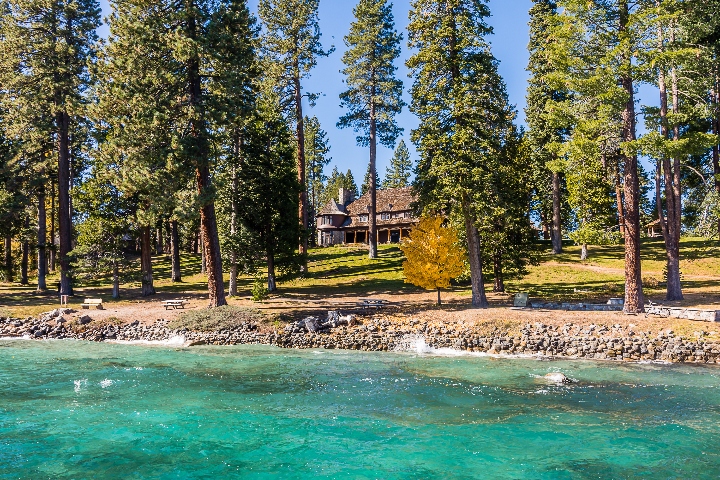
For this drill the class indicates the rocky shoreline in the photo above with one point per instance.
(378, 333)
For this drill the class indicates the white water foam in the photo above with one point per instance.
(106, 383)
(176, 341)
(24, 337)
(416, 344)
(79, 384)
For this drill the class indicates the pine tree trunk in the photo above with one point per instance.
(232, 288)
(211, 241)
(8, 259)
(439, 301)
(203, 258)
(148, 287)
(372, 220)
(116, 281)
(64, 216)
(272, 285)
(175, 252)
(41, 242)
(479, 299)
(634, 299)
(583, 252)
(25, 255)
(158, 239)
(52, 225)
(674, 206)
(300, 126)
(716, 132)
(619, 202)
(499, 281)
(556, 220)
(208, 220)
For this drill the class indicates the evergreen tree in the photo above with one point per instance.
(317, 148)
(544, 134)
(348, 182)
(374, 94)
(593, 46)
(291, 42)
(400, 169)
(465, 119)
(367, 183)
(47, 48)
(155, 130)
(268, 204)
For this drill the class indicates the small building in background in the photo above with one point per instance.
(347, 220)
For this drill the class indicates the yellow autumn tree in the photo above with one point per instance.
(433, 255)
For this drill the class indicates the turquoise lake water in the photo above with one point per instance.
(85, 410)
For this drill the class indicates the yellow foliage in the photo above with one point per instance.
(433, 255)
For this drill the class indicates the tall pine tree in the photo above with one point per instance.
(291, 43)
(465, 119)
(543, 133)
(374, 94)
(398, 173)
(47, 49)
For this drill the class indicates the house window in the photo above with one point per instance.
(326, 220)
(384, 216)
(363, 218)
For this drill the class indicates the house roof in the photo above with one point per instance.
(332, 208)
(386, 200)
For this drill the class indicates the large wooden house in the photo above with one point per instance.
(347, 220)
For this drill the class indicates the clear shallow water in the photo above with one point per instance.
(86, 410)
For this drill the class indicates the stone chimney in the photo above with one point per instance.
(345, 196)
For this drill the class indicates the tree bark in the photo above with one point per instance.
(116, 281)
(8, 259)
(159, 239)
(439, 301)
(203, 258)
(25, 255)
(41, 242)
(300, 131)
(208, 220)
(619, 202)
(372, 220)
(272, 284)
(52, 225)
(716, 132)
(146, 262)
(634, 298)
(175, 252)
(232, 287)
(498, 282)
(479, 299)
(583, 252)
(64, 215)
(556, 220)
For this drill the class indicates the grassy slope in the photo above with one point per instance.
(346, 271)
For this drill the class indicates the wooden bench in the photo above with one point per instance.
(174, 304)
(366, 303)
(93, 302)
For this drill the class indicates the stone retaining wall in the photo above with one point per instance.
(380, 334)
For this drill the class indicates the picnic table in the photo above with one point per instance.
(174, 304)
(92, 302)
(375, 303)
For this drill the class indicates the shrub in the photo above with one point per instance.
(259, 289)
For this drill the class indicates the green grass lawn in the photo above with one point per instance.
(341, 271)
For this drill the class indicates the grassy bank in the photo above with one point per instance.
(339, 273)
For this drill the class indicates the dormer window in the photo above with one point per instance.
(363, 218)
(384, 216)
(326, 220)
